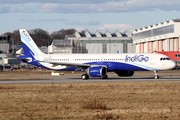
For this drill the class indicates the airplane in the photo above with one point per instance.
(94, 65)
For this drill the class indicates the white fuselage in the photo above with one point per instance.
(131, 62)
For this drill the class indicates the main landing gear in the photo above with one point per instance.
(156, 75)
(85, 76)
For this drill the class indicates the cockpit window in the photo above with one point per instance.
(166, 58)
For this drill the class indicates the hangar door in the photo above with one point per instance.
(114, 47)
(94, 47)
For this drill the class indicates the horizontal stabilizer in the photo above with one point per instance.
(24, 59)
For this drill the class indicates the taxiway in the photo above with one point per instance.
(76, 78)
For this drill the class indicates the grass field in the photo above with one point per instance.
(111, 100)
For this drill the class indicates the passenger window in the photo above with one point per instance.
(161, 59)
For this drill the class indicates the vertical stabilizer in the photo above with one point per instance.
(29, 46)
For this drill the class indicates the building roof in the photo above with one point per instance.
(176, 20)
(58, 42)
(87, 34)
(161, 24)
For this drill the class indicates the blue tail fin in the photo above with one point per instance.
(29, 46)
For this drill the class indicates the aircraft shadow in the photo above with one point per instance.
(123, 78)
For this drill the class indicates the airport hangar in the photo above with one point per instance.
(94, 43)
(160, 38)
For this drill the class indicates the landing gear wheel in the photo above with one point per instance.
(157, 77)
(104, 77)
(85, 76)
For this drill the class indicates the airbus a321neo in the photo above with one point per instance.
(94, 65)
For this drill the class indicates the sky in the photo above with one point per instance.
(92, 15)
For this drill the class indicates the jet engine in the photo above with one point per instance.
(97, 71)
(125, 73)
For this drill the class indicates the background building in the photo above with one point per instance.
(4, 43)
(102, 43)
(4, 47)
(66, 47)
(162, 38)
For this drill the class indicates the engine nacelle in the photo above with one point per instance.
(97, 71)
(125, 73)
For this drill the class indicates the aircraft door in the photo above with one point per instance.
(72, 59)
(152, 59)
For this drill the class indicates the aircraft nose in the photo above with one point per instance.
(172, 65)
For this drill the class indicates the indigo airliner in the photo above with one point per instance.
(94, 65)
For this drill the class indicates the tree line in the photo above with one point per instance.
(41, 37)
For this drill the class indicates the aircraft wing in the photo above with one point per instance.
(66, 64)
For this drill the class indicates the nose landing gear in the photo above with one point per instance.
(156, 75)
